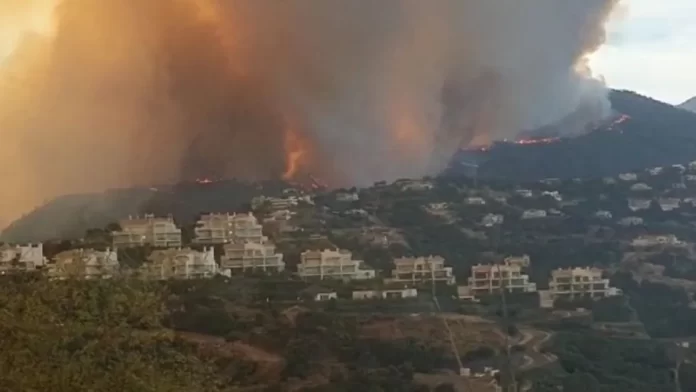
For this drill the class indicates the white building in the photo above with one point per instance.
(490, 278)
(491, 220)
(639, 204)
(679, 168)
(655, 240)
(251, 256)
(347, 197)
(21, 258)
(325, 296)
(227, 228)
(280, 203)
(609, 180)
(603, 215)
(526, 193)
(690, 177)
(332, 264)
(534, 214)
(475, 201)
(148, 230)
(179, 264)
(385, 294)
(640, 187)
(631, 221)
(572, 283)
(438, 206)
(523, 261)
(415, 185)
(692, 165)
(669, 203)
(84, 264)
(554, 195)
(421, 269)
(655, 171)
(628, 177)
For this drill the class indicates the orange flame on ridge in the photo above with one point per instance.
(296, 150)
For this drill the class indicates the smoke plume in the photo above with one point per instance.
(123, 92)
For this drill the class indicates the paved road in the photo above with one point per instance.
(533, 340)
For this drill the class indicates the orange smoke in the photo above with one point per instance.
(296, 152)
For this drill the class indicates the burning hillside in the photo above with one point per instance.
(115, 93)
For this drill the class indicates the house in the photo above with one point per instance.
(179, 264)
(464, 293)
(438, 206)
(655, 240)
(415, 185)
(655, 171)
(280, 215)
(220, 229)
(690, 177)
(523, 261)
(608, 180)
(421, 269)
(491, 220)
(603, 214)
(526, 193)
(490, 278)
(554, 195)
(534, 214)
(325, 296)
(148, 230)
(572, 283)
(669, 204)
(550, 181)
(679, 168)
(475, 201)
(631, 221)
(21, 258)
(692, 165)
(678, 185)
(84, 264)
(280, 203)
(628, 177)
(640, 187)
(251, 256)
(347, 197)
(385, 294)
(332, 264)
(639, 204)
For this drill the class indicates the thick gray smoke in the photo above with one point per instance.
(131, 92)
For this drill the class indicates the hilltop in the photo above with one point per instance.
(651, 133)
(689, 104)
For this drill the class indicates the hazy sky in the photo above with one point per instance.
(652, 49)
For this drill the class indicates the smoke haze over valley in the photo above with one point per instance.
(114, 93)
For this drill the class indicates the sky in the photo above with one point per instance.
(651, 49)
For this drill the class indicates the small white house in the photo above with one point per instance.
(654, 240)
(554, 195)
(534, 214)
(603, 215)
(669, 204)
(475, 201)
(491, 220)
(526, 193)
(641, 187)
(639, 204)
(325, 296)
(631, 221)
(628, 177)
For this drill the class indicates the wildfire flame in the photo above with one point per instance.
(296, 150)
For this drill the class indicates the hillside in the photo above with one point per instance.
(653, 134)
(68, 217)
(689, 105)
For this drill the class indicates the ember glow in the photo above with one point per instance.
(296, 151)
(116, 93)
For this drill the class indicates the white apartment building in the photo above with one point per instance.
(84, 264)
(641, 186)
(21, 258)
(332, 264)
(228, 228)
(628, 177)
(655, 240)
(631, 221)
(639, 204)
(421, 269)
(179, 264)
(490, 278)
(572, 283)
(475, 201)
(669, 203)
(385, 294)
(148, 230)
(534, 214)
(251, 256)
(491, 220)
